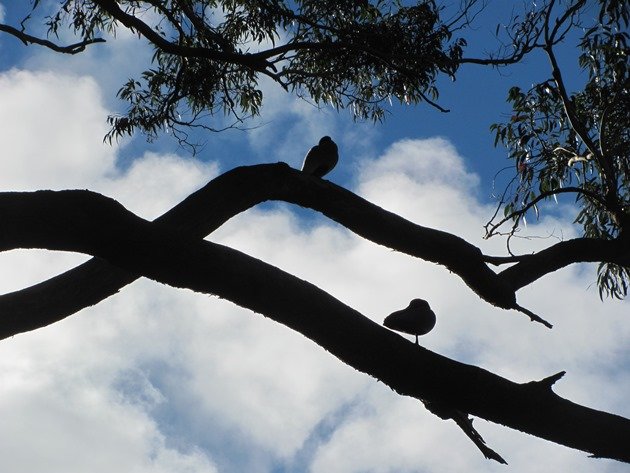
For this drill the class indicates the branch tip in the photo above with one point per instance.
(549, 381)
(545, 385)
(465, 422)
(533, 317)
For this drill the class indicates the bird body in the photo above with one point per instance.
(416, 319)
(321, 158)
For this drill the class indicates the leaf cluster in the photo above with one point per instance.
(580, 141)
(210, 55)
(374, 55)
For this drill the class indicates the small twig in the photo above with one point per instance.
(465, 423)
(533, 317)
(543, 195)
(433, 104)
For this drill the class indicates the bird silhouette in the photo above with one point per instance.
(321, 158)
(417, 319)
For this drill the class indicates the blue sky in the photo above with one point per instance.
(162, 380)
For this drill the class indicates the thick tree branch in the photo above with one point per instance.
(134, 23)
(87, 222)
(230, 194)
(579, 250)
(244, 187)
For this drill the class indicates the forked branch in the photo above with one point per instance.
(244, 187)
(87, 222)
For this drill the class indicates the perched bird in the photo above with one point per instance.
(417, 319)
(321, 158)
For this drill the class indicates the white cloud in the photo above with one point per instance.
(156, 182)
(268, 383)
(115, 61)
(51, 128)
(157, 379)
(61, 392)
(60, 413)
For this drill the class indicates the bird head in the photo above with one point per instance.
(419, 304)
(328, 145)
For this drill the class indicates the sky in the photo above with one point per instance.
(156, 379)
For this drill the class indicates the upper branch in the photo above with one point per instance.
(524, 37)
(606, 168)
(244, 187)
(491, 228)
(230, 194)
(91, 223)
(135, 23)
(29, 39)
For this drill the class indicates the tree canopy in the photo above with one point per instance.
(576, 142)
(210, 55)
(209, 58)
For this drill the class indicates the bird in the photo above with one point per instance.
(416, 319)
(321, 158)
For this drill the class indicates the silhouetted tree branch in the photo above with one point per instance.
(235, 191)
(564, 253)
(87, 222)
(30, 39)
(231, 193)
(355, 55)
(360, 57)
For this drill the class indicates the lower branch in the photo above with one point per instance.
(90, 223)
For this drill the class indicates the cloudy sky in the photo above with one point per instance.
(162, 380)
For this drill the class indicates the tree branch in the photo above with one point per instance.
(543, 195)
(241, 188)
(232, 193)
(91, 223)
(579, 250)
(609, 176)
(134, 23)
(29, 39)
